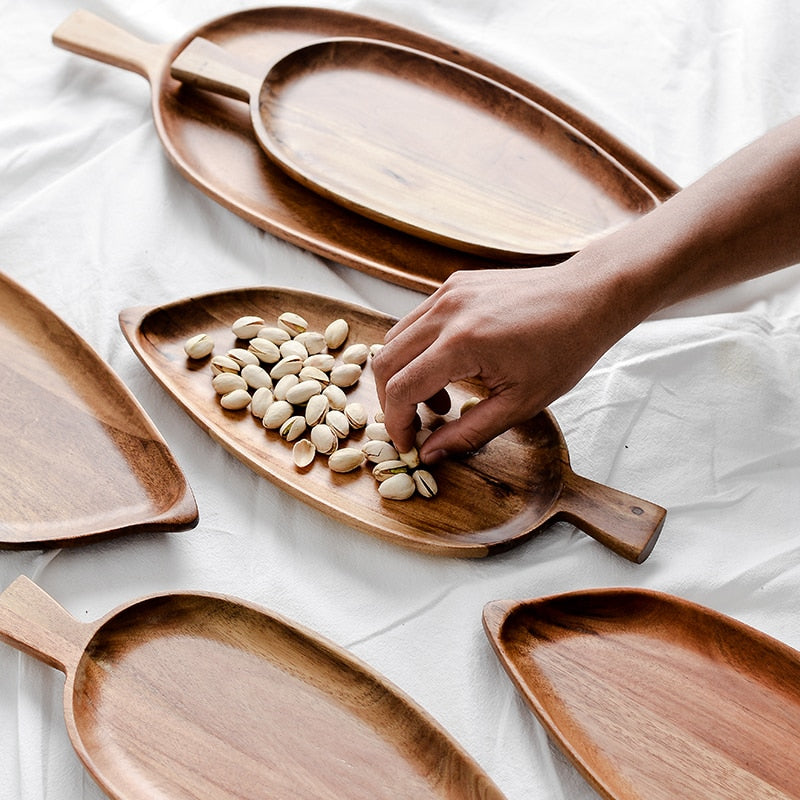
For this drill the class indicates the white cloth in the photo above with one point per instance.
(697, 410)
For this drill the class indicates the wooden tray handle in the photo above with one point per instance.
(88, 35)
(625, 524)
(207, 66)
(33, 622)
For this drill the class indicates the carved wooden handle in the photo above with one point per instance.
(33, 622)
(625, 524)
(88, 35)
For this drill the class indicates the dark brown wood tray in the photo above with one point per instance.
(210, 139)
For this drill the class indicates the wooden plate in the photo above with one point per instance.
(653, 696)
(197, 695)
(486, 503)
(79, 459)
(210, 139)
(370, 125)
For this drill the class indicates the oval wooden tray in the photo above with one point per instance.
(210, 139)
(487, 503)
(370, 125)
(182, 696)
(654, 697)
(79, 458)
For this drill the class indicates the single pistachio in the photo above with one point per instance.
(293, 348)
(377, 430)
(256, 376)
(336, 397)
(411, 457)
(379, 416)
(324, 439)
(377, 451)
(303, 453)
(338, 422)
(312, 373)
(374, 349)
(247, 327)
(345, 375)
(323, 361)
(283, 386)
(346, 460)
(265, 351)
(242, 356)
(356, 415)
(262, 399)
(313, 341)
(228, 382)
(385, 469)
(292, 323)
(289, 365)
(398, 487)
(223, 364)
(235, 400)
(469, 403)
(424, 482)
(199, 346)
(277, 413)
(303, 391)
(422, 436)
(293, 428)
(356, 354)
(273, 334)
(336, 333)
(316, 409)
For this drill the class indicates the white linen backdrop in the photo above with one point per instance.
(697, 410)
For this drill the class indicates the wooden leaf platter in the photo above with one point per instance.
(655, 697)
(487, 503)
(79, 458)
(181, 696)
(210, 140)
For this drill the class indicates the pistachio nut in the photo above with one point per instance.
(274, 334)
(356, 415)
(262, 399)
(303, 453)
(374, 349)
(277, 413)
(302, 392)
(469, 403)
(292, 323)
(293, 348)
(377, 451)
(289, 365)
(397, 487)
(336, 397)
(346, 460)
(242, 356)
(377, 430)
(312, 373)
(338, 422)
(356, 354)
(336, 333)
(316, 409)
(411, 457)
(313, 341)
(323, 361)
(265, 351)
(324, 439)
(227, 382)
(256, 376)
(235, 400)
(345, 375)
(424, 482)
(223, 364)
(283, 386)
(422, 436)
(247, 327)
(385, 469)
(198, 346)
(379, 416)
(293, 428)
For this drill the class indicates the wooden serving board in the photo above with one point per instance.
(655, 697)
(79, 458)
(180, 696)
(487, 502)
(211, 142)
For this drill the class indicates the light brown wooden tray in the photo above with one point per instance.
(655, 697)
(487, 502)
(180, 696)
(79, 458)
(210, 139)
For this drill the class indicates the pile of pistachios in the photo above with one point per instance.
(290, 378)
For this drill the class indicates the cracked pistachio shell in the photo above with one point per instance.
(283, 386)
(277, 413)
(422, 436)
(274, 334)
(242, 356)
(469, 403)
(411, 457)
(385, 469)
(262, 399)
(223, 364)
(303, 453)
(356, 415)
(377, 430)
(293, 348)
(346, 460)
(398, 487)
(265, 351)
(227, 382)
(247, 327)
(316, 409)
(235, 400)
(302, 392)
(336, 397)
(323, 361)
(313, 341)
(424, 482)
(356, 354)
(289, 365)
(336, 333)
(345, 375)
(312, 373)
(324, 439)
(199, 346)
(377, 451)
(292, 323)
(338, 422)
(293, 428)
(256, 376)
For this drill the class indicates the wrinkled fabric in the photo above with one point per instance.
(697, 410)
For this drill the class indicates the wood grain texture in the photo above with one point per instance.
(654, 697)
(79, 458)
(210, 139)
(197, 695)
(487, 502)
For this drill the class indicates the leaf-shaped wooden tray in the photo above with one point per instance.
(210, 139)
(79, 458)
(655, 697)
(488, 502)
(181, 696)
